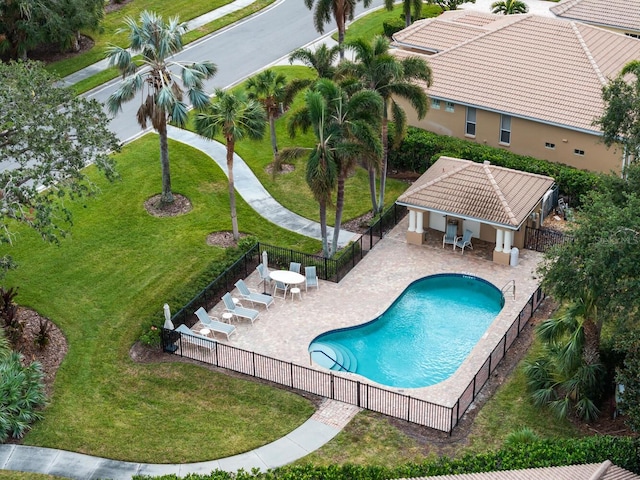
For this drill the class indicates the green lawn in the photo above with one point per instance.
(105, 280)
(370, 25)
(290, 189)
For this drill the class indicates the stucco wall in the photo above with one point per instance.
(527, 137)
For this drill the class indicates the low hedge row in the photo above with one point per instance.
(420, 149)
(622, 451)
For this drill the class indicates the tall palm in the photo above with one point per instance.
(276, 94)
(377, 69)
(569, 373)
(346, 127)
(408, 7)
(509, 7)
(340, 10)
(321, 170)
(322, 59)
(157, 41)
(235, 117)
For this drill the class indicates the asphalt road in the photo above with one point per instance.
(239, 51)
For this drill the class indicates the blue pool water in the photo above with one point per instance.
(421, 339)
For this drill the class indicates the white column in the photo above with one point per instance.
(412, 220)
(419, 222)
(499, 239)
(507, 241)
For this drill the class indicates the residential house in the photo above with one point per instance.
(622, 16)
(525, 83)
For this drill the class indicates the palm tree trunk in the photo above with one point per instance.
(341, 27)
(339, 210)
(591, 350)
(385, 150)
(407, 17)
(372, 188)
(323, 228)
(232, 192)
(274, 142)
(167, 196)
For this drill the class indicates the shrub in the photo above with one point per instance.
(420, 149)
(42, 336)
(21, 395)
(392, 26)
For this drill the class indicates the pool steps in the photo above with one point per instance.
(333, 356)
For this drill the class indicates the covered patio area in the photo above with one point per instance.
(464, 200)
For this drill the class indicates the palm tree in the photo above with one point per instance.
(156, 41)
(321, 170)
(569, 373)
(275, 94)
(345, 127)
(235, 117)
(509, 7)
(340, 10)
(377, 69)
(322, 59)
(407, 7)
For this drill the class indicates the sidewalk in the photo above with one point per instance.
(251, 190)
(323, 425)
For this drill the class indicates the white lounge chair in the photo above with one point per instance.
(464, 241)
(188, 335)
(310, 278)
(253, 297)
(237, 311)
(214, 324)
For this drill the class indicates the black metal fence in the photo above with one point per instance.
(336, 387)
(541, 239)
(331, 269)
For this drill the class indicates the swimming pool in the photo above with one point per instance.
(421, 339)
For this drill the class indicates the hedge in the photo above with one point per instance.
(622, 451)
(420, 149)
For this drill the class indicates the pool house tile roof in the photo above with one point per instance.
(539, 68)
(479, 191)
(593, 471)
(621, 14)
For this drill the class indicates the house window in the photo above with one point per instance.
(505, 129)
(435, 104)
(471, 122)
(550, 146)
(449, 107)
(633, 35)
(578, 152)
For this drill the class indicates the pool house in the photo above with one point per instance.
(495, 204)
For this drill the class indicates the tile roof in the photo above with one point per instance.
(622, 14)
(478, 191)
(528, 66)
(593, 471)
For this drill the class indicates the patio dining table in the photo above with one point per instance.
(286, 276)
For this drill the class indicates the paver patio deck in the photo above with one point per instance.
(285, 330)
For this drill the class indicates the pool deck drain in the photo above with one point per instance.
(287, 328)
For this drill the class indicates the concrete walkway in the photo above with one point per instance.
(325, 424)
(252, 191)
